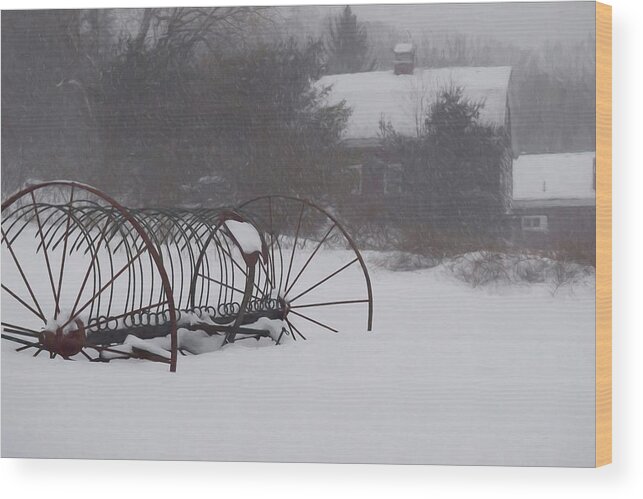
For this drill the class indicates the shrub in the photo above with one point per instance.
(483, 267)
(401, 261)
(486, 267)
(565, 273)
(531, 269)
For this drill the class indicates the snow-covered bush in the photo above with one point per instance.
(531, 269)
(481, 268)
(375, 236)
(486, 267)
(565, 273)
(402, 261)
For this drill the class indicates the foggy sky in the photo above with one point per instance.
(522, 24)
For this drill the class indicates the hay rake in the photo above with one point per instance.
(84, 277)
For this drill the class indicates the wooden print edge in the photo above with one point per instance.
(603, 234)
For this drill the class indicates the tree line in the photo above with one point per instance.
(186, 103)
(217, 104)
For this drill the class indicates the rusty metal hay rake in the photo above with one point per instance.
(84, 277)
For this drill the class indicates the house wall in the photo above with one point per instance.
(369, 200)
(570, 230)
(389, 192)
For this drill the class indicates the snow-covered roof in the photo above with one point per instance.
(402, 48)
(549, 178)
(403, 100)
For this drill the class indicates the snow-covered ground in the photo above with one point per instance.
(450, 375)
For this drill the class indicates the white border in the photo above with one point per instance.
(53, 479)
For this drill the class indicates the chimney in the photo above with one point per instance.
(404, 59)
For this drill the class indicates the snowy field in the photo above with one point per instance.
(451, 374)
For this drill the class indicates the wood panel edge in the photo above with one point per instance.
(603, 234)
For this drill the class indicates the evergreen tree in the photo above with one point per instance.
(453, 171)
(271, 130)
(347, 47)
(465, 158)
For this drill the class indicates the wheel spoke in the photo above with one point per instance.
(309, 259)
(93, 260)
(64, 255)
(131, 261)
(272, 237)
(13, 326)
(266, 271)
(329, 303)
(277, 250)
(30, 345)
(24, 303)
(21, 341)
(44, 246)
(99, 349)
(22, 274)
(220, 283)
(314, 321)
(294, 246)
(86, 355)
(292, 333)
(21, 333)
(291, 326)
(325, 279)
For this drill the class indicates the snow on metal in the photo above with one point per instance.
(246, 236)
(84, 276)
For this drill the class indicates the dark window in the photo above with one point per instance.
(393, 179)
(372, 178)
(356, 171)
(534, 223)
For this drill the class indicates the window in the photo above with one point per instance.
(393, 179)
(356, 171)
(406, 57)
(534, 223)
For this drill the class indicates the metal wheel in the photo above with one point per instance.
(315, 270)
(230, 274)
(79, 273)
